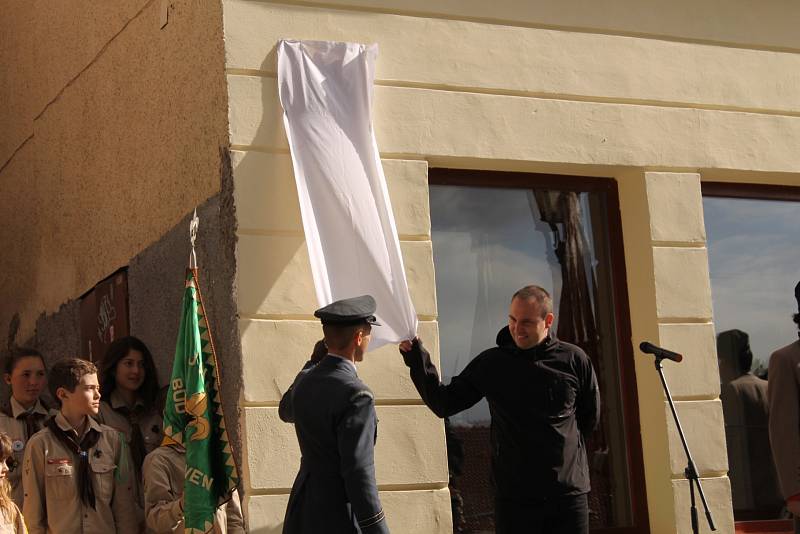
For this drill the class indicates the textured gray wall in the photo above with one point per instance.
(155, 293)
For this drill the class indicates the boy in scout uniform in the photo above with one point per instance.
(334, 416)
(77, 473)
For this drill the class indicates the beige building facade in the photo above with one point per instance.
(120, 120)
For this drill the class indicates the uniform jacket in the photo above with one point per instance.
(784, 416)
(164, 470)
(334, 416)
(544, 402)
(52, 497)
(14, 428)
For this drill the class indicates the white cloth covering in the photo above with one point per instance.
(326, 92)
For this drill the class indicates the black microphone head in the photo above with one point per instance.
(660, 353)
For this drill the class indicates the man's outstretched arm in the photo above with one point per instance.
(443, 400)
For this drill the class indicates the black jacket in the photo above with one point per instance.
(544, 403)
(334, 417)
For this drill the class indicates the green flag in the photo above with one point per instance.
(193, 416)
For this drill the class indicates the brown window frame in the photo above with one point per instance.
(628, 387)
(751, 191)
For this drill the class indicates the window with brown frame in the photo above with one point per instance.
(754, 264)
(494, 232)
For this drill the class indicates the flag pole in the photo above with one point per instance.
(194, 225)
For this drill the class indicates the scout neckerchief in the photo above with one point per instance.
(82, 450)
(33, 420)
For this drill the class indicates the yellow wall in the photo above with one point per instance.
(659, 97)
(112, 128)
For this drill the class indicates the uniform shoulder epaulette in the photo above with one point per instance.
(362, 393)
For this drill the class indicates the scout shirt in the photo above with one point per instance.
(164, 472)
(150, 423)
(12, 423)
(112, 413)
(15, 525)
(52, 498)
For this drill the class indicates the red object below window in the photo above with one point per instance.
(781, 526)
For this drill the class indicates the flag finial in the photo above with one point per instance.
(194, 224)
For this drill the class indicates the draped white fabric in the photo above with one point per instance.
(326, 92)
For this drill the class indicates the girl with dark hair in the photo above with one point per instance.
(11, 520)
(24, 413)
(128, 388)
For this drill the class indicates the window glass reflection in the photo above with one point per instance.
(754, 262)
(487, 243)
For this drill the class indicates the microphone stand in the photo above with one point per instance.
(691, 470)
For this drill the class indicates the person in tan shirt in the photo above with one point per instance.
(77, 473)
(11, 521)
(784, 418)
(24, 413)
(164, 472)
(129, 387)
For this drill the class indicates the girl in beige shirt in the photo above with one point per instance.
(11, 521)
(128, 388)
(24, 413)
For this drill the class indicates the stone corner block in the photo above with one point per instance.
(255, 114)
(698, 374)
(704, 428)
(264, 513)
(275, 278)
(266, 195)
(273, 353)
(718, 495)
(418, 511)
(407, 512)
(410, 448)
(683, 286)
(676, 207)
(407, 181)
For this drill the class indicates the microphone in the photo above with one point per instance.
(658, 352)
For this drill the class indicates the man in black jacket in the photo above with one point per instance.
(544, 403)
(333, 413)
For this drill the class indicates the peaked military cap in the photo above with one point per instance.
(349, 311)
(797, 294)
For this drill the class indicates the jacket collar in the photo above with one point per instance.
(116, 401)
(340, 361)
(506, 342)
(64, 425)
(17, 409)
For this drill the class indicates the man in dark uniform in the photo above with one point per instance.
(334, 417)
(544, 402)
